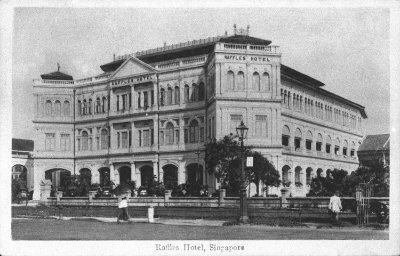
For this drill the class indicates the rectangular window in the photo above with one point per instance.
(139, 100)
(146, 138)
(130, 100)
(79, 144)
(261, 126)
(186, 134)
(130, 139)
(285, 140)
(176, 136)
(235, 122)
(50, 142)
(118, 140)
(318, 146)
(308, 144)
(152, 136)
(345, 151)
(123, 102)
(297, 142)
(328, 148)
(65, 142)
(352, 152)
(152, 97)
(146, 99)
(117, 102)
(140, 138)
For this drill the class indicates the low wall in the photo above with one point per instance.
(293, 203)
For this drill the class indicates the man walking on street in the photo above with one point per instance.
(335, 206)
(123, 210)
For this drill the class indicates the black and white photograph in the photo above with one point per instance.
(199, 128)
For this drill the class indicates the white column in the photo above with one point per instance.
(181, 133)
(155, 170)
(38, 177)
(181, 172)
(112, 174)
(133, 172)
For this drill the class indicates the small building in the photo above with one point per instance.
(374, 148)
(22, 161)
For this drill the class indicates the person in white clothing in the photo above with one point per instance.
(123, 210)
(335, 206)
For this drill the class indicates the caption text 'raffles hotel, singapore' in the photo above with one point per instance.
(151, 112)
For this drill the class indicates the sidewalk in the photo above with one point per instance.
(212, 223)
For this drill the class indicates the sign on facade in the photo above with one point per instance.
(249, 162)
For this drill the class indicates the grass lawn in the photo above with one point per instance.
(49, 229)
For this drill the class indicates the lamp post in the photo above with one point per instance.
(242, 133)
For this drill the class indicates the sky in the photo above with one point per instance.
(346, 49)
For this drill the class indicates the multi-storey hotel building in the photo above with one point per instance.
(151, 112)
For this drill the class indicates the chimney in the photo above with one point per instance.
(248, 30)
(234, 29)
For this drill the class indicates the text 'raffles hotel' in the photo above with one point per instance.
(151, 112)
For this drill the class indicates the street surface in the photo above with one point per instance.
(52, 229)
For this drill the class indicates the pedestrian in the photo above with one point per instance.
(123, 210)
(335, 206)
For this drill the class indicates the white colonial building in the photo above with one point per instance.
(149, 112)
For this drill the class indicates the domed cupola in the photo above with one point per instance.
(57, 75)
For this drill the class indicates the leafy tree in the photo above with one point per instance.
(224, 158)
(263, 171)
(326, 186)
(376, 174)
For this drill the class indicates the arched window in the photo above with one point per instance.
(186, 93)
(79, 107)
(230, 79)
(169, 96)
(162, 96)
(177, 95)
(337, 146)
(103, 105)
(85, 139)
(201, 91)
(193, 131)
(195, 92)
(66, 108)
(328, 144)
(48, 108)
(169, 134)
(297, 139)
(104, 139)
(345, 146)
(90, 107)
(285, 136)
(265, 82)
(240, 81)
(57, 108)
(98, 105)
(84, 107)
(318, 144)
(309, 140)
(256, 82)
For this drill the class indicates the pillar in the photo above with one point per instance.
(38, 177)
(112, 173)
(133, 172)
(181, 172)
(45, 189)
(155, 170)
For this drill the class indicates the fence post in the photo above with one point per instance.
(284, 195)
(222, 194)
(167, 195)
(45, 189)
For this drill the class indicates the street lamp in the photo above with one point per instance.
(241, 131)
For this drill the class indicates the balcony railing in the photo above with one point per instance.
(52, 82)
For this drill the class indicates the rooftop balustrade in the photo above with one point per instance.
(52, 82)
